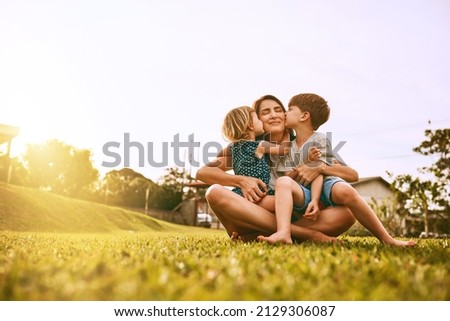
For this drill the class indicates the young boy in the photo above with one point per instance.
(306, 113)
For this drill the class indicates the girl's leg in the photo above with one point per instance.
(268, 203)
(288, 193)
(343, 193)
(245, 218)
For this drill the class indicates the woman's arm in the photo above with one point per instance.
(215, 173)
(306, 173)
(343, 171)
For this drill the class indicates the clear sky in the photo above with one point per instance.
(87, 72)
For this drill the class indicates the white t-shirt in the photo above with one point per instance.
(299, 155)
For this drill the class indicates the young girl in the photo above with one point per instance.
(250, 157)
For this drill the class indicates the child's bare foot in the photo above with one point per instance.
(399, 243)
(278, 237)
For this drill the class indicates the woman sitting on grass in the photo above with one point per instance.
(243, 216)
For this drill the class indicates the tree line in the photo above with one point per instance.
(57, 167)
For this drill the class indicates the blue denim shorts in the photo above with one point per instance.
(325, 196)
(299, 210)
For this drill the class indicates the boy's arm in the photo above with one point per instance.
(316, 188)
(313, 210)
(265, 147)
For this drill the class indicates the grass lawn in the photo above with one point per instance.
(206, 265)
(57, 248)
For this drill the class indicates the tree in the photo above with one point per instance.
(427, 194)
(126, 187)
(437, 144)
(173, 184)
(60, 168)
(19, 174)
(392, 219)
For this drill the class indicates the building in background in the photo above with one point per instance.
(7, 133)
(374, 188)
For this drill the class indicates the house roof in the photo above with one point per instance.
(364, 180)
(7, 133)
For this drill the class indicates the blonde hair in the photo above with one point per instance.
(236, 123)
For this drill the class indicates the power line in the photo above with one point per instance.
(397, 128)
(386, 157)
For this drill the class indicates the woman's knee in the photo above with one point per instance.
(347, 217)
(215, 194)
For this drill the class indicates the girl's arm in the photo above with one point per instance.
(314, 154)
(265, 147)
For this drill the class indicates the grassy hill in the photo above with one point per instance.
(31, 210)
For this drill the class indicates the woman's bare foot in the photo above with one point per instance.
(235, 236)
(399, 243)
(249, 237)
(319, 237)
(316, 237)
(278, 237)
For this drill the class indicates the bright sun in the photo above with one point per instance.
(42, 98)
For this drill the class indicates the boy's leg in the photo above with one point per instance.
(343, 193)
(288, 193)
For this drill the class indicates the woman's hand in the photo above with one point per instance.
(251, 188)
(306, 173)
